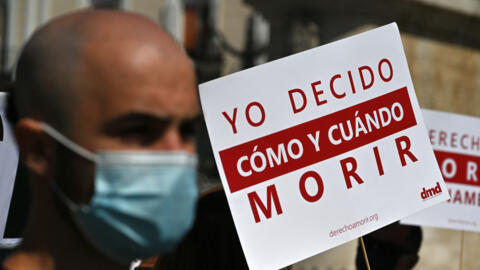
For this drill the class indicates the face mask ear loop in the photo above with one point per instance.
(70, 204)
(69, 144)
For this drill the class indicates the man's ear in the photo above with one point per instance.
(36, 148)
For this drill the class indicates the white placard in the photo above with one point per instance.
(456, 141)
(8, 165)
(321, 147)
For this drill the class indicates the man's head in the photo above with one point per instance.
(106, 80)
(393, 247)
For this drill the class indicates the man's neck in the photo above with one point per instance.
(51, 236)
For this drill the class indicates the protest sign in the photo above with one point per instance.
(321, 147)
(456, 142)
(8, 166)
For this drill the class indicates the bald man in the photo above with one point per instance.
(105, 103)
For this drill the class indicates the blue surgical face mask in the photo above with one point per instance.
(143, 203)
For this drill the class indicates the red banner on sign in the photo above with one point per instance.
(299, 146)
(459, 168)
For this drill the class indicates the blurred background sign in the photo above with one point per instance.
(8, 169)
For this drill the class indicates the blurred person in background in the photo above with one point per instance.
(103, 106)
(394, 247)
(213, 242)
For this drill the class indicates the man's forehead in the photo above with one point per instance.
(141, 103)
(140, 106)
(145, 76)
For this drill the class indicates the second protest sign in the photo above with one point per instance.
(456, 141)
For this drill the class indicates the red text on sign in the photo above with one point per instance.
(272, 196)
(311, 142)
(454, 140)
(299, 98)
(459, 168)
(254, 114)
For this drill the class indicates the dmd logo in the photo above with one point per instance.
(432, 192)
